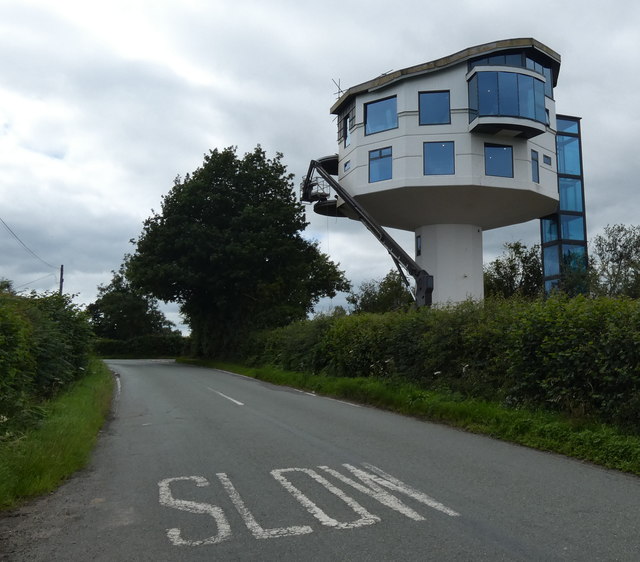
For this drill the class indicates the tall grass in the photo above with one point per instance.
(43, 457)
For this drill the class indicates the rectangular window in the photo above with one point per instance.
(570, 194)
(347, 166)
(546, 159)
(418, 245)
(535, 167)
(508, 93)
(498, 160)
(380, 115)
(549, 229)
(435, 108)
(551, 260)
(347, 131)
(572, 227)
(380, 164)
(567, 126)
(488, 93)
(568, 155)
(439, 158)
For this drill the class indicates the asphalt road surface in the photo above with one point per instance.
(199, 464)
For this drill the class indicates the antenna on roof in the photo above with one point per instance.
(340, 91)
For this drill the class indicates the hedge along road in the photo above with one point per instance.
(199, 464)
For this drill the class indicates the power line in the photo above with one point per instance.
(35, 280)
(29, 250)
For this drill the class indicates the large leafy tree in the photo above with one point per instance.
(227, 247)
(122, 312)
(518, 271)
(615, 261)
(387, 294)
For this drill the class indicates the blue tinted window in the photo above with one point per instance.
(568, 155)
(434, 108)
(514, 60)
(551, 285)
(547, 160)
(508, 93)
(540, 111)
(381, 115)
(567, 125)
(496, 59)
(526, 96)
(439, 158)
(535, 167)
(574, 256)
(498, 160)
(488, 93)
(570, 194)
(549, 229)
(380, 165)
(347, 131)
(548, 85)
(473, 98)
(572, 227)
(551, 260)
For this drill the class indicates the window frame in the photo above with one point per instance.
(503, 146)
(535, 166)
(425, 160)
(381, 156)
(423, 95)
(366, 115)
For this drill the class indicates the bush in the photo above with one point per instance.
(147, 346)
(44, 346)
(578, 356)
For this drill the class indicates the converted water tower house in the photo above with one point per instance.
(453, 147)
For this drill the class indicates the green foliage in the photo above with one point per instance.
(517, 272)
(44, 456)
(121, 312)
(148, 346)
(227, 247)
(615, 261)
(384, 295)
(577, 356)
(44, 345)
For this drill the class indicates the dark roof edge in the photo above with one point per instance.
(439, 64)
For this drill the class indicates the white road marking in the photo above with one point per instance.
(175, 535)
(392, 483)
(374, 490)
(225, 396)
(366, 518)
(256, 529)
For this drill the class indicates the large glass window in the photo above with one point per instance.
(380, 167)
(507, 93)
(549, 229)
(574, 256)
(568, 155)
(567, 125)
(551, 258)
(381, 115)
(570, 194)
(435, 108)
(439, 158)
(572, 227)
(498, 160)
(535, 167)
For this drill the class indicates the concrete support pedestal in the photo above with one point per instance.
(452, 253)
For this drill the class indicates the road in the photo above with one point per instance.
(199, 464)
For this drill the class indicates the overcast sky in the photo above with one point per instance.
(102, 104)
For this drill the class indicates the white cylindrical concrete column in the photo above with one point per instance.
(452, 253)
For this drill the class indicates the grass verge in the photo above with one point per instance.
(581, 439)
(44, 456)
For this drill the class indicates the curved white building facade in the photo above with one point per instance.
(453, 147)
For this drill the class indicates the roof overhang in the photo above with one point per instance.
(549, 55)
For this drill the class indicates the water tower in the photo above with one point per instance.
(446, 149)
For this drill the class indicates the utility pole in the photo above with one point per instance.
(61, 278)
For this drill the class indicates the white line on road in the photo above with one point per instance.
(225, 396)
